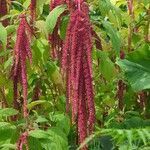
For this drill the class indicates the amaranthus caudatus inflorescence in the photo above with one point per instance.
(21, 52)
(33, 11)
(77, 65)
(3, 11)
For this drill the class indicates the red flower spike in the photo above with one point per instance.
(76, 63)
(33, 11)
(4, 11)
(22, 141)
(21, 52)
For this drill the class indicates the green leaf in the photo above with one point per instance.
(8, 62)
(52, 18)
(62, 122)
(6, 112)
(114, 35)
(6, 131)
(39, 6)
(136, 68)
(8, 146)
(55, 137)
(41, 119)
(63, 27)
(41, 25)
(3, 36)
(39, 134)
(4, 53)
(107, 67)
(35, 103)
(59, 138)
(26, 4)
(10, 29)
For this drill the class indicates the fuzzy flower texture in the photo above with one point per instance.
(77, 65)
(21, 52)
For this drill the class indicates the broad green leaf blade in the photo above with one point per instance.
(107, 67)
(3, 36)
(41, 25)
(39, 6)
(39, 134)
(6, 131)
(35, 103)
(137, 75)
(114, 35)
(52, 18)
(8, 63)
(8, 146)
(137, 68)
(6, 112)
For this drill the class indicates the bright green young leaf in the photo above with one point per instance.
(53, 16)
(59, 138)
(3, 36)
(107, 67)
(6, 112)
(137, 68)
(6, 131)
(39, 134)
(62, 122)
(41, 25)
(35, 103)
(10, 29)
(39, 6)
(8, 146)
(8, 62)
(4, 53)
(26, 3)
(63, 27)
(114, 35)
(138, 75)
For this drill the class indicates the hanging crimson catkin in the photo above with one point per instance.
(4, 11)
(22, 141)
(19, 74)
(121, 87)
(33, 11)
(21, 52)
(77, 65)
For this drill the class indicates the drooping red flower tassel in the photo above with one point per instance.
(36, 92)
(4, 11)
(33, 11)
(23, 141)
(121, 87)
(21, 52)
(76, 63)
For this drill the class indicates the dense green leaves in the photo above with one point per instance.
(136, 68)
(107, 67)
(6, 132)
(6, 112)
(3, 36)
(53, 16)
(114, 35)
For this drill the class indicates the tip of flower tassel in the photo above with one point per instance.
(79, 5)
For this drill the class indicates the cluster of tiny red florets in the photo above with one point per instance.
(33, 11)
(3, 11)
(77, 65)
(22, 51)
(22, 141)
